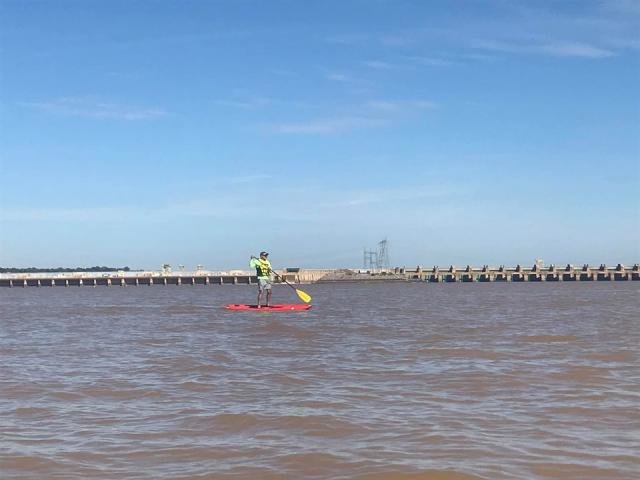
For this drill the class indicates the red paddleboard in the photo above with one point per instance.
(276, 307)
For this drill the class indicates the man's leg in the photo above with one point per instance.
(268, 297)
(259, 293)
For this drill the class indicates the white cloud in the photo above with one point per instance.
(431, 61)
(246, 104)
(445, 193)
(557, 49)
(397, 106)
(326, 126)
(372, 114)
(92, 107)
(284, 73)
(593, 30)
(351, 39)
(596, 30)
(118, 214)
(82, 214)
(396, 40)
(624, 43)
(247, 101)
(383, 105)
(575, 50)
(340, 77)
(379, 65)
(247, 178)
(624, 7)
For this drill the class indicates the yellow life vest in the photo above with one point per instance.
(263, 268)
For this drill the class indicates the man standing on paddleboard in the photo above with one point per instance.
(263, 270)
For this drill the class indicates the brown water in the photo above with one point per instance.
(393, 381)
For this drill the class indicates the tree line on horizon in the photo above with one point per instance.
(62, 269)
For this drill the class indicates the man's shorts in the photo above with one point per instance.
(264, 284)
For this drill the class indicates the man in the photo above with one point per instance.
(263, 270)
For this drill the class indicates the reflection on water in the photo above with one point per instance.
(384, 381)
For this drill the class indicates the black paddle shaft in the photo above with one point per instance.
(283, 279)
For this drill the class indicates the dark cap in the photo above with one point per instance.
(264, 254)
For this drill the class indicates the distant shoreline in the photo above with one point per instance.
(65, 269)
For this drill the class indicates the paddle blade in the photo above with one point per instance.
(304, 296)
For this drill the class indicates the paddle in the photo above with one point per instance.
(304, 296)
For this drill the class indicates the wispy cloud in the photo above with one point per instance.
(326, 126)
(593, 30)
(379, 65)
(255, 102)
(410, 193)
(92, 107)
(564, 49)
(242, 179)
(371, 114)
(360, 39)
(341, 77)
(596, 30)
(124, 213)
(246, 104)
(352, 84)
(184, 39)
(557, 49)
(281, 72)
(80, 214)
(392, 39)
(333, 204)
(401, 105)
(625, 7)
(396, 40)
(430, 61)
(624, 43)
(351, 39)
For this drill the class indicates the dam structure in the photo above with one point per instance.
(536, 273)
(451, 274)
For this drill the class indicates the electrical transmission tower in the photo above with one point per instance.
(383, 254)
(370, 259)
(377, 259)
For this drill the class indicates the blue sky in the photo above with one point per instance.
(200, 132)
